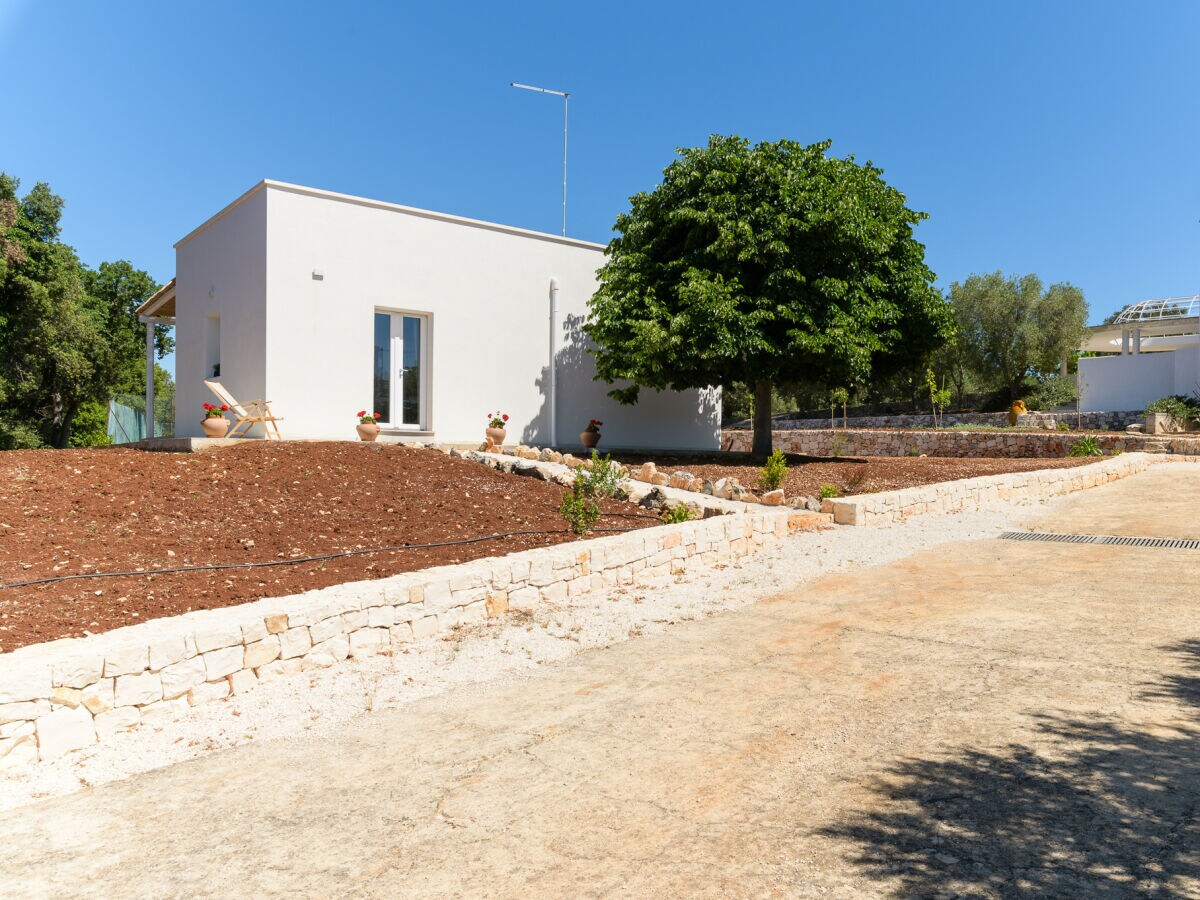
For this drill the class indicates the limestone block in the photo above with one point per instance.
(217, 635)
(438, 596)
(276, 624)
(381, 616)
(316, 660)
(401, 633)
(137, 690)
(337, 646)
(253, 629)
(65, 696)
(18, 753)
(555, 593)
(646, 472)
(166, 649)
(426, 626)
(294, 642)
(681, 480)
(522, 598)
(164, 711)
(78, 670)
(496, 603)
(352, 621)
(242, 680)
(773, 498)
(126, 658)
(259, 653)
(368, 641)
(182, 677)
(475, 613)
(207, 692)
(26, 709)
(99, 697)
(661, 479)
(722, 488)
(23, 728)
(117, 720)
(64, 730)
(219, 663)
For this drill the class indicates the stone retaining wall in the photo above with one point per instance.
(68, 694)
(1094, 421)
(1007, 444)
(973, 493)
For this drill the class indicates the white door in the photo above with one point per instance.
(400, 362)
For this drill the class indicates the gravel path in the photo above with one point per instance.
(315, 704)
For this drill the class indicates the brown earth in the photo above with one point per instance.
(850, 475)
(69, 512)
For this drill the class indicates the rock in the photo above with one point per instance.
(244, 680)
(661, 479)
(262, 652)
(65, 696)
(116, 720)
(655, 500)
(455, 454)
(549, 455)
(180, 678)
(1136, 428)
(647, 472)
(65, 730)
(204, 693)
(571, 461)
(18, 752)
(681, 480)
(773, 498)
(98, 698)
(138, 690)
(813, 504)
(722, 488)
(528, 453)
(294, 642)
(707, 486)
(218, 663)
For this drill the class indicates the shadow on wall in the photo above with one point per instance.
(660, 419)
(1094, 807)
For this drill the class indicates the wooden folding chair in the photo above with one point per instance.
(249, 414)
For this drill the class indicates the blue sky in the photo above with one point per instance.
(1053, 138)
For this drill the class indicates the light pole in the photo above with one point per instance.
(565, 95)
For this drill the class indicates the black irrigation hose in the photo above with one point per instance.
(304, 559)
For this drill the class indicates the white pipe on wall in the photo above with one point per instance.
(149, 376)
(552, 386)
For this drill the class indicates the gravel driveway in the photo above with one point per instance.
(984, 718)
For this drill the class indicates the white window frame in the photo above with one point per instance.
(396, 382)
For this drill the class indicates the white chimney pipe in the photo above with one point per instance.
(552, 386)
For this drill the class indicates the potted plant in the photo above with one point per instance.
(368, 425)
(590, 436)
(495, 432)
(214, 422)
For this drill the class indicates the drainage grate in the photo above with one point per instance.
(1111, 539)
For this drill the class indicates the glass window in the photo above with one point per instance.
(383, 367)
(410, 378)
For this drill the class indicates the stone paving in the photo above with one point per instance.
(990, 719)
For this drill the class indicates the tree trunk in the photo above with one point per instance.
(60, 431)
(762, 418)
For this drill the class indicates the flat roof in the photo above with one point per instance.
(393, 207)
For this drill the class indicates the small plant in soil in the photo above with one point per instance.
(838, 397)
(1088, 445)
(603, 478)
(774, 473)
(579, 508)
(939, 398)
(675, 514)
(828, 491)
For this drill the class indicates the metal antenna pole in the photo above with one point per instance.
(565, 95)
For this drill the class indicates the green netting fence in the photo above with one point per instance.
(127, 418)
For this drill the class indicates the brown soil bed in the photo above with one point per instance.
(850, 475)
(70, 512)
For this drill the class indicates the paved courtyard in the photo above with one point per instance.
(992, 718)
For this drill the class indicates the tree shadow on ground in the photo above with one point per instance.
(1090, 808)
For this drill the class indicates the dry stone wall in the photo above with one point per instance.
(1116, 421)
(1007, 444)
(68, 694)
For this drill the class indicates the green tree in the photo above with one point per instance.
(1010, 328)
(761, 265)
(68, 335)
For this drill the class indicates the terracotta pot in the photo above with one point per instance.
(589, 439)
(367, 431)
(495, 438)
(214, 426)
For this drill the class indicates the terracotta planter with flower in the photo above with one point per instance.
(590, 436)
(214, 422)
(495, 432)
(368, 425)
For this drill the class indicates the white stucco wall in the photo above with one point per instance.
(221, 270)
(1111, 383)
(486, 292)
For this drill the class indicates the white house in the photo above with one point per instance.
(325, 304)
(1151, 350)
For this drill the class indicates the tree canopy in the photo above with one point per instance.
(69, 335)
(762, 264)
(1010, 328)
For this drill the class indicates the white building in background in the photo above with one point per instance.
(1152, 350)
(325, 304)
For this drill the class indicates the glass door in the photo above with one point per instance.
(399, 394)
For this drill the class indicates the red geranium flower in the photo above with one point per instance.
(505, 417)
(224, 408)
(361, 413)
(377, 415)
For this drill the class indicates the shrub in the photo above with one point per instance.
(673, 515)
(604, 477)
(773, 474)
(828, 491)
(1178, 406)
(1052, 391)
(1088, 445)
(579, 508)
